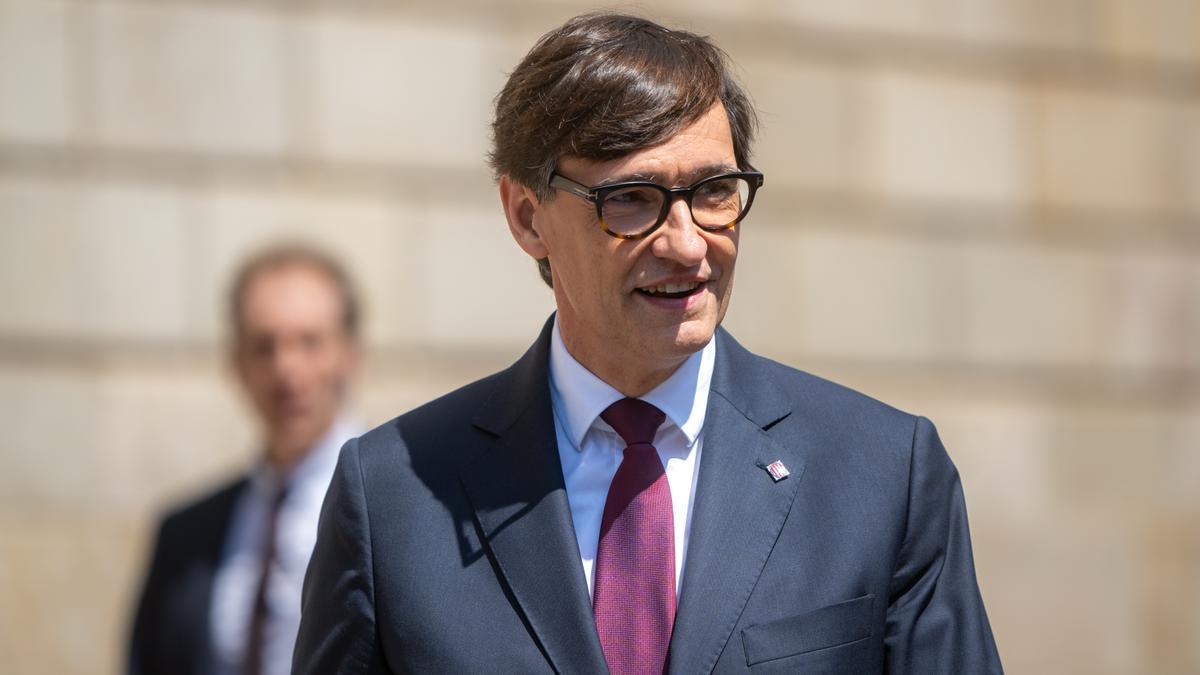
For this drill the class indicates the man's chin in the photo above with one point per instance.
(690, 343)
(295, 438)
(686, 338)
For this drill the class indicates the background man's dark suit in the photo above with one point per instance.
(446, 543)
(294, 348)
(171, 629)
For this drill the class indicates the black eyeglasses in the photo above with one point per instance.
(634, 209)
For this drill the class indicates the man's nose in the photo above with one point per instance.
(288, 356)
(679, 239)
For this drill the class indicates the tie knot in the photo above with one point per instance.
(634, 419)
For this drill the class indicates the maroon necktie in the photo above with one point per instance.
(256, 637)
(634, 595)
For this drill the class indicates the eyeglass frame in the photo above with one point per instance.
(597, 193)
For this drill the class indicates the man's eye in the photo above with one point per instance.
(262, 348)
(632, 196)
(717, 190)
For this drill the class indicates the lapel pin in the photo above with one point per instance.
(777, 470)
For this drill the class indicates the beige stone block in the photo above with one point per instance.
(1062, 24)
(705, 16)
(191, 77)
(1031, 430)
(415, 382)
(1148, 303)
(766, 312)
(841, 295)
(1003, 453)
(1060, 307)
(413, 92)
(51, 422)
(1190, 319)
(1181, 489)
(1118, 457)
(67, 581)
(39, 252)
(481, 290)
(168, 434)
(1118, 469)
(1033, 305)
(948, 140)
(889, 298)
(378, 239)
(127, 440)
(1065, 596)
(1172, 549)
(1104, 153)
(1157, 29)
(103, 260)
(35, 100)
(812, 121)
(1185, 141)
(383, 400)
(829, 13)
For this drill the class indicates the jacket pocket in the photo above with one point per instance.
(819, 629)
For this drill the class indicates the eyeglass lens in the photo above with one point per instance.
(715, 204)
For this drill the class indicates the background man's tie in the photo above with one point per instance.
(256, 637)
(634, 595)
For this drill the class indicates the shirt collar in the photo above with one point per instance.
(580, 396)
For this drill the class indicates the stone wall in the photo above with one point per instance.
(984, 211)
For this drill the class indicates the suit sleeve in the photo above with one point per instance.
(143, 636)
(337, 623)
(936, 622)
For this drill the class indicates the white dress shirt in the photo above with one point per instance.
(590, 450)
(238, 574)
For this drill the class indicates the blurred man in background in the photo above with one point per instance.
(222, 594)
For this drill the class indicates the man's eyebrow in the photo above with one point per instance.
(629, 177)
(708, 170)
(685, 179)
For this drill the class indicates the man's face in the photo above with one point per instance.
(609, 291)
(293, 356)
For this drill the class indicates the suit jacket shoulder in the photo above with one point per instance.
(447, 536)
(818, 394)
(844, 419)
(207, 514)
(446, 431)
(170, 628)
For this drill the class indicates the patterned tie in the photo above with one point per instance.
(252, 663)
(634, 596)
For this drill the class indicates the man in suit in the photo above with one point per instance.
(222, 594)
(638, 493)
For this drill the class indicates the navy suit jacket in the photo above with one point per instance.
(446, 543)
(171, 633)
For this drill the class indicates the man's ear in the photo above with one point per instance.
(520, 207)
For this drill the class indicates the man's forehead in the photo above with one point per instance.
(702, 148)
(291, 278)
(291, 293)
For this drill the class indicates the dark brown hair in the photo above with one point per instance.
(604, 85)
(293, 254)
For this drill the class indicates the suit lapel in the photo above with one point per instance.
(195, 583)
(739, 509)
(515, 486)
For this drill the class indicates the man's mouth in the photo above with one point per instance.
(675, 290)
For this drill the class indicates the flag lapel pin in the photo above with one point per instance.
(777, 470)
